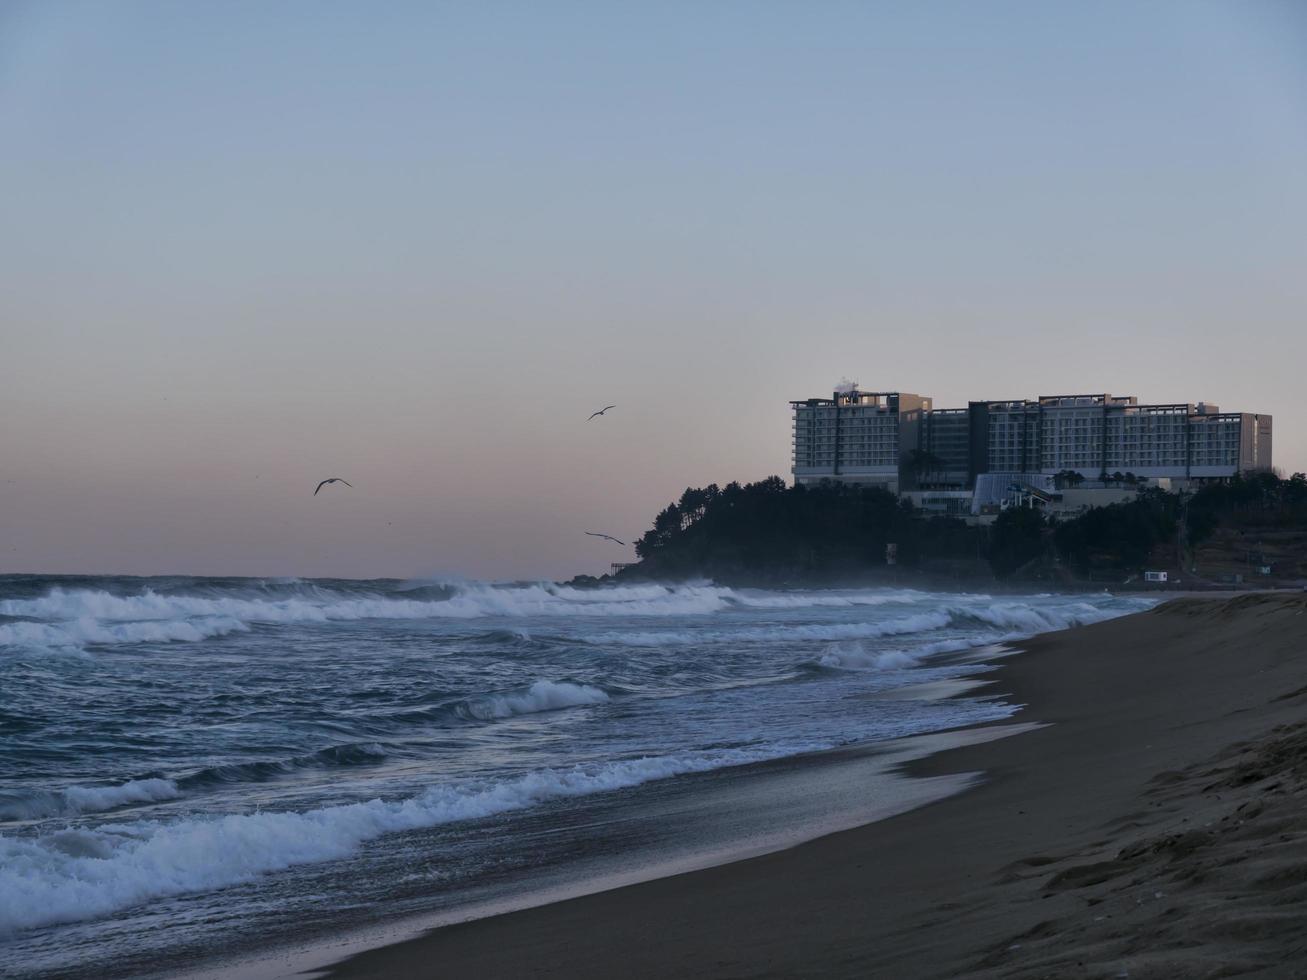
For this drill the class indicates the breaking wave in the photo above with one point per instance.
(76, 800)
(64, 619)
(457, 701)
(540, 696)
(854, 656)
(84, 630)
(1012, 619)
(467, 602)
(77, 874)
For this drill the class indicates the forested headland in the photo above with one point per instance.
(770, 531)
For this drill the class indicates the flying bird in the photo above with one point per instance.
(601, 411)
(606, 537)
(331, 479)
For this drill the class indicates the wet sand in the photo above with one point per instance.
(1156, 827)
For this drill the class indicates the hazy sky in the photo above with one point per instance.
(247, 246)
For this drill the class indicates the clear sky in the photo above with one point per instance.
(245, 246)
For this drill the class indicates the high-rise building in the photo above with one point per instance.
(855, 436)
(900, 441)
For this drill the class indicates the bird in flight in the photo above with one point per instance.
(606, 537)
(331, 479)
(601, 411)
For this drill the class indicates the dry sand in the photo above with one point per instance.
(1156, 828)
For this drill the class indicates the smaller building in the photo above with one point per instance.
(940, 503)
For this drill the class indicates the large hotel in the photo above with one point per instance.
(901, 442)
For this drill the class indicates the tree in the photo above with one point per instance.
(1120, 536)
(1018, 539)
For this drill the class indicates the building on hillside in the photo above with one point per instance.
(901, 442)
(855, 436)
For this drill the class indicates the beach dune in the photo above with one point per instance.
(1156, 826)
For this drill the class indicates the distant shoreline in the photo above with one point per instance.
(914, 578)
(1057, 863)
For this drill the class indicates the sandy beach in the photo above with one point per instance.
(1155, 827)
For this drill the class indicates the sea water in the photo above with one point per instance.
(192, 766)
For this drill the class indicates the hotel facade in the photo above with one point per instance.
(900, 441)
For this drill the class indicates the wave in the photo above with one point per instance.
(847, 655)
(468, 602)
(70, 619)
(854, 656)
(807, 600)
(84, 630)
(347, 754)
(1016, 619)
(77, 800)
(540, 696)
(95, 616)
(777, 633)
(1024, 620)
(780, 632)
(78, 874)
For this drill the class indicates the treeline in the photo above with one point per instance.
(771, 528)
(1123, 535)
(1258, 500)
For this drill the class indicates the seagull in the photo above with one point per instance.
(331, 479)
(601, 411)
(606, 537)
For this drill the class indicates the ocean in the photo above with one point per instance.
(195, 767)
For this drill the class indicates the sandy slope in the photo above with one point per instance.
(1157, 827)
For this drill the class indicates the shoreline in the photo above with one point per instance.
(877, 767)
(990, 880)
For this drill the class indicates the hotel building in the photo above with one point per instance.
(899, 441)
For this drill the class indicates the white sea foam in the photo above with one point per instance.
(778, 632)
(540, 696)
(91, 799)
(1014, 618)
(78, 874)
(94, 616)
(83, 630)
(470, 600)
(623, 593)
(806, 600)
(854, 656)
(86, 616)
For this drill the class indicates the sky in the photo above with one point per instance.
(247, 246)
